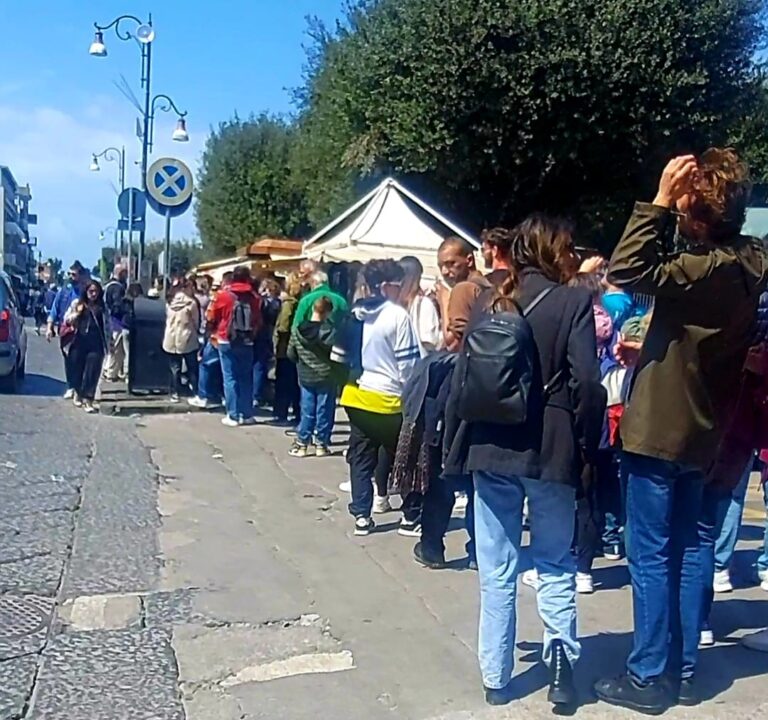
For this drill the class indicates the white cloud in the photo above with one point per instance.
(51, 149)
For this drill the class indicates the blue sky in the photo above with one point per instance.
(58, 104)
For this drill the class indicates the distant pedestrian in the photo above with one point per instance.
(422, 309)
(181, 342)
(89, 320)
(287, 392)
(73, 288)
(235, 316)
(263, 347)
(116, 366)
(310, 349)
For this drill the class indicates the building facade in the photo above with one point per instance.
(17, 246)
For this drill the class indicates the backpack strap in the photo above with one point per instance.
(532, 305)
(554, 381)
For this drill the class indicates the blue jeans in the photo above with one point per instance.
(762, 561)
(498, 527)
(260, 378)
(664, 502)
(463, 483)
(609, 497)
(729, 514)
(210, 384)
(318, 408)
(236, 361)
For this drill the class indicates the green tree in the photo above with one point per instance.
(499, 107)
(245, 189)
(185, 254)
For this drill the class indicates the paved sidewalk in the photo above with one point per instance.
(279, 612)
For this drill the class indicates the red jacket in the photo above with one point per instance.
(220, 310)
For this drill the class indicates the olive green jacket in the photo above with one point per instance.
(703, 318)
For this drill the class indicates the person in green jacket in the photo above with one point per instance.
(320, 289)
(286, 378)
(310, 348)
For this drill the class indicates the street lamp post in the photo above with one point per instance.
(144, 34)
(112, 154)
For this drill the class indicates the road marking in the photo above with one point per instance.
(298, 665)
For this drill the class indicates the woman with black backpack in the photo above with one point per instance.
(528, 397)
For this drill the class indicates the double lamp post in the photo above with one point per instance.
(143, 34)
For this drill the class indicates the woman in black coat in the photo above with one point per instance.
(541, 459)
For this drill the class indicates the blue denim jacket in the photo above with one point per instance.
(64, 298)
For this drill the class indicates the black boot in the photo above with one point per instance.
(502, 696)
(433, 561)
(650, 699)
(562, 691)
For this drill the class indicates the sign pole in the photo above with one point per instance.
(167, 259)
(130, 238)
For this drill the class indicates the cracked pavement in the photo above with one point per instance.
(168, 568)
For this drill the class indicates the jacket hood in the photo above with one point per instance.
(240, 287)
(368, 309)
(181, 301)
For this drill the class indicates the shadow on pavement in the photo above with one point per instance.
(41, 386)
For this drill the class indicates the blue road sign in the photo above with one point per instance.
(169, 183)
(139, 203)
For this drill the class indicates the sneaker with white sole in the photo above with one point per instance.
(77, 401)
(461, 501)
(89, 407)
(246, 422)
(346, 486)
(199, 402)
(409, 529)
(229, 422)
(722, 582)
(381, 505)
(756, 641)
(69, 394)
(322, 450)
(174, 398)
(298, 450)
(707, 638)
(530, 578)
(762, 576)
(584, 583)
(364, 526)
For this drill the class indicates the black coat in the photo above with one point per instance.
(552, 444)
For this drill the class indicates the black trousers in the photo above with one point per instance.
(175, 361)
(85, 361)
(587, 538)
(287, 394)
(69, 376)
(369, 435)
(436, 510)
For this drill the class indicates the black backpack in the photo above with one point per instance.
(240, 329)
(497, 378)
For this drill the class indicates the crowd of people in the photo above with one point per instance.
(544, 394)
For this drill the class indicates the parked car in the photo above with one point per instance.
(13, 338)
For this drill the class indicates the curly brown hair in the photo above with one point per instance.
(721, 193)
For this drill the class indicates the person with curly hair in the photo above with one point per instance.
(686, 380)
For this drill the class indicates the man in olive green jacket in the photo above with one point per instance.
(686, 380)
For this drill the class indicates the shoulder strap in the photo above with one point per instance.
(532, 305)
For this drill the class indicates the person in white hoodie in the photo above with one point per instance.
(381, 348)
(181, 343)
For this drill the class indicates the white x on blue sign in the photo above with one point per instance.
(169, 182)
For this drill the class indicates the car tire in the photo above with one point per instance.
(9, 383)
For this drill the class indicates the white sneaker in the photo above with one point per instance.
(722, 582)
(229, 422)
(346, 486)
(69, 394)
(89, 407)
(197, 402)
(364, 526)
(77, 401)
(381, 505)
(175, 399)
(762, 576)
(756, 641)
(584, 583)
(246, 422)
(461, 501)
(530, 578)
(707, 638)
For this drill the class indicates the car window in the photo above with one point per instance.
(4, 293)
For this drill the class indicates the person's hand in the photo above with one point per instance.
(49, 333)
(442, 293)
(593, 264)
(676, 180)
(627, 352)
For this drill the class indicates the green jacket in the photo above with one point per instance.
(310, 348)
(304, 310)
(703, 318)
(282, 334)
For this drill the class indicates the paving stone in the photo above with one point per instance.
(16, 681)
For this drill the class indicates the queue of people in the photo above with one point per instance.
(540, 390)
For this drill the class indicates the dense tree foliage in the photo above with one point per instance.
(245, 189)
(493, 108)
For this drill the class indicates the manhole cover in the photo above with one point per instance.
(20, 617)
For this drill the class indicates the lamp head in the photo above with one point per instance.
(95, 164)
(180, 134)
(145, 34)
(98, 48)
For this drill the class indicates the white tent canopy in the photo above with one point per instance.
(389, 222)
